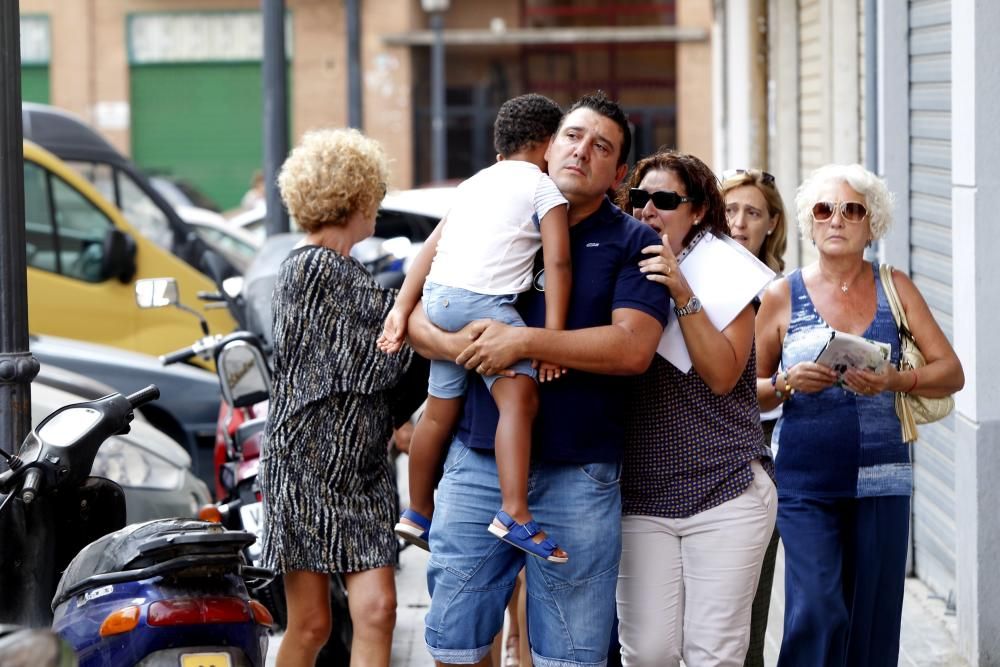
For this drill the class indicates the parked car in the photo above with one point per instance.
(234, 243)
(179, 192)
(189, 397)
(83, 258)
(117, 178)
(410, 213)
(152, 469)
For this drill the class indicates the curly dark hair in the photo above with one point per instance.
(524, 121)
(605, 106)
(701, 184)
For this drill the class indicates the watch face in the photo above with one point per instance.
(693, 306)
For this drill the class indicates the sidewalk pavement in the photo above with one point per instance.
(927, 638)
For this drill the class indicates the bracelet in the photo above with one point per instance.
(789, 389)
(774, 384)
(916, 378)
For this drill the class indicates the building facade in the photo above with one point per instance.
(176, 83)
(908, 88)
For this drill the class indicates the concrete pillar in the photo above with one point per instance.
(783, 103)
(388, 81)
(694, 83)
(975, 275)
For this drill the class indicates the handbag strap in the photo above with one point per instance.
(889, 287)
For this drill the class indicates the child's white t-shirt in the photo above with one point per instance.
(489, 243)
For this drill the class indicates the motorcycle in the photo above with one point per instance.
(167, 591)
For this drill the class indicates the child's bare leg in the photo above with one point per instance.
(517, 401)
(427, 448)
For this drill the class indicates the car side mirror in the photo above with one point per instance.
(156, 292)
(118, 258)
(243, 374)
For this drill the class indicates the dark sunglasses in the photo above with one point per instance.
(662, 199)
(765, 178)
(850, 211)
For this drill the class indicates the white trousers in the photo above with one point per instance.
(686, 586)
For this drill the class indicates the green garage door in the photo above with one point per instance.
(35, 84)
(199, 122)
(36, 53)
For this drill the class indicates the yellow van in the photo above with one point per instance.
(83, 260)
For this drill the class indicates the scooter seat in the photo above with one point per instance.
(152, 548)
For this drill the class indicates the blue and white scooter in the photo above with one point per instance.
(170, 591)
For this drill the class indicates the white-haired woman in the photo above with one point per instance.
(843, 470)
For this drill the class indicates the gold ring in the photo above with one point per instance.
(669, 269)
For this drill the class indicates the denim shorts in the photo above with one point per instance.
(471, 573)
(451, 308)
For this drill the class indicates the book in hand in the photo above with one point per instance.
(844, 351)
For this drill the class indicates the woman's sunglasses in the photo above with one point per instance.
(662, 199)
(850, 211)
(765, 178)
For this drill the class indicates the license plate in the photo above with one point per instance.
(206, 660)
(253, 517)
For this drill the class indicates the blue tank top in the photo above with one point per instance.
(835, 443)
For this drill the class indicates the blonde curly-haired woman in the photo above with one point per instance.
(329, 499)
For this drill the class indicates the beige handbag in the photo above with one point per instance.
(912, 410)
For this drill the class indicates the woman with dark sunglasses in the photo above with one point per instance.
(698, 501)
(843, 470)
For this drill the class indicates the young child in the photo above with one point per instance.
(483, 254)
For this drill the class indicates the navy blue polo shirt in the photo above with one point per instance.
(581, 415)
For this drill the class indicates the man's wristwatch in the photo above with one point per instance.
(693, 306)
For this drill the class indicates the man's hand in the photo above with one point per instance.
(393, 332)
(494, 350)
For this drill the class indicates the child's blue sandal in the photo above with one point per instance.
(412, 534)
(520, 535)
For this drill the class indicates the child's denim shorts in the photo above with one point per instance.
(451, 308)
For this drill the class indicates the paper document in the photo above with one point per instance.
(845, 350)
(725, 276)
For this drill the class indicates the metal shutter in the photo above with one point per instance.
(201, 122)
(930, 268)
(35, 83)
(813, 121)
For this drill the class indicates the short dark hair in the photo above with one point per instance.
(524, 121)
(605, 106)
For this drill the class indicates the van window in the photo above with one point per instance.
(80, 231)
(64, 230)
(141, 211)
(39, 235)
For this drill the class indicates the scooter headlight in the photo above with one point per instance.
(132, 466)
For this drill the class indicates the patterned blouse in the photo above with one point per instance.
(328, 488)
(687, 449)
(835, 443)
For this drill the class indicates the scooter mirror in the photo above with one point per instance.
(156, 292)
(243, 374)
(233, 286)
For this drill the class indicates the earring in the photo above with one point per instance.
(696, 221)
(770, 231)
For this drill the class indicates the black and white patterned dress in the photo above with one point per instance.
(329, 498)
